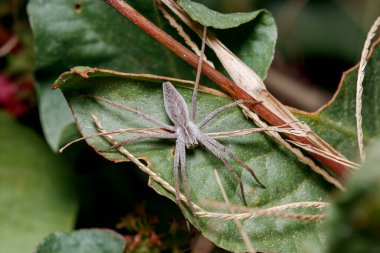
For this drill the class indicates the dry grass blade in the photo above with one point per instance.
(359, 86)
(278, 129)
(243, 233)
(116, 132)
(320, 152)
(277, 211)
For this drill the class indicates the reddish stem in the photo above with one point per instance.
(217, 77)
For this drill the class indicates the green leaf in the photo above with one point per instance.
(36, 189)
(287, 180)
(83, 241)
(70, 33)
(207, 17)
(336, 122)
(256, 32)
(354, 221)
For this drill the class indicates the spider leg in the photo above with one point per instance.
(177, 159)
(185, 184)
(143, 115)
(175, 173)
(218, 154)
(143, 137)
(232, 156)
(221, 109)
(211, 115)
(199, 71)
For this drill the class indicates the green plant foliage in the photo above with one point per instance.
(287, 180)
(36, 189)
(355, 217)
(83, 241)
(255, 47)
(207, 17)
(84, 32)
(91, 33)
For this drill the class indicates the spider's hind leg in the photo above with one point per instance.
(175, 174)
(205, 141)
(232, 156)
(185, 184)
(180, 160)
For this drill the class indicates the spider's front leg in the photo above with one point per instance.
(175, 172)
(185, 184)
(212, 114)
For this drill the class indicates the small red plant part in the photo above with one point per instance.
(13, 96)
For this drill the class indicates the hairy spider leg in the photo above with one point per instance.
(232, 156)
(143, 137)
(218, 154)
(212, 114)
(185, 182)
(143, 115)
(198, 76)
(175, 173)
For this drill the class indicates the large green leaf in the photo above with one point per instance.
(287, 180)
(69, 33)
(83, 241)
(36, 189)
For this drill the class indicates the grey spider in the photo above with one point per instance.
(187, 134)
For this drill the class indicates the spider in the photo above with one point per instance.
(187, 134)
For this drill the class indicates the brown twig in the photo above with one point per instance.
(225, 83)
